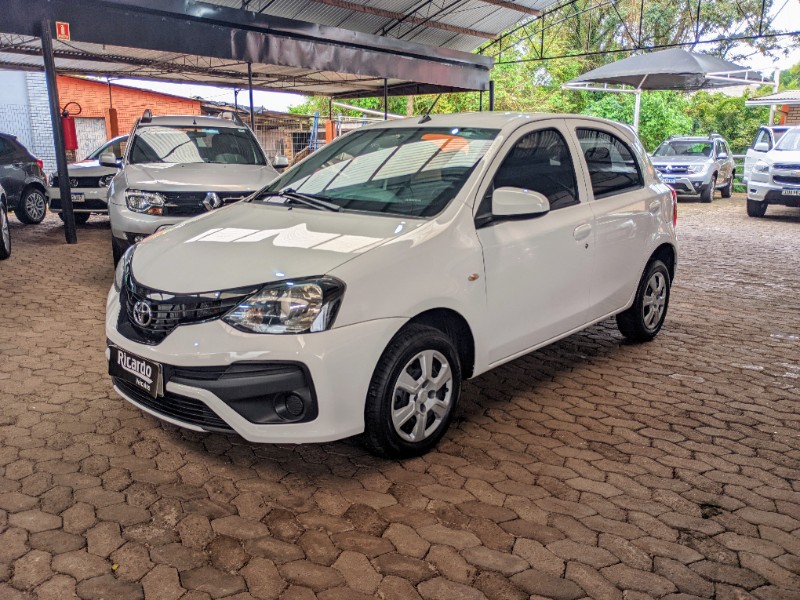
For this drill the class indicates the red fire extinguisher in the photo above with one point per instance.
(68, 126)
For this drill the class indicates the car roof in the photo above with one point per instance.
(189, 120)
(695, 138)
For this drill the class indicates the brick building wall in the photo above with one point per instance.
(129, 103)
(793, 115)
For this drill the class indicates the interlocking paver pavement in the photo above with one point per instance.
(591, 469)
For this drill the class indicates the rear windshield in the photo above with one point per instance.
(684, 148)
(410, 170)
(195, 144)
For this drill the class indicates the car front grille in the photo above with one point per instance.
(187, 204)
(672, 169)
(787, 179)
(164, 311)
(786, 166)
(181, 408)
(78, 182)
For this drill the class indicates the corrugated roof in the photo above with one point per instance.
(430, 29)
(791, 97)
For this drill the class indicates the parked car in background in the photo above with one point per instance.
(356, 292)
(696, 165)
(174, 168)
(5, 231)
(22, 177)
(776, 177)
(765, 140)
(89, 181)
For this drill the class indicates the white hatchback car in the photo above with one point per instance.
(356, 292)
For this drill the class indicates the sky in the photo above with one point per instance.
(786, 12)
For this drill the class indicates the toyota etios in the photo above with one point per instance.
(356, 292)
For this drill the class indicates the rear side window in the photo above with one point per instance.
(541, 162)
(611, 164)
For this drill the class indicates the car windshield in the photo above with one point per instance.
(790, 140)
(195, 144)
(684, 148)
(412, 171)
(115, 146)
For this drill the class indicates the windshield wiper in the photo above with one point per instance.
(306, 199)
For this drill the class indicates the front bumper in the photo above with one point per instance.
(337, 366)
(773, 193)
(683, 184)
(95, 200)
(130, 227)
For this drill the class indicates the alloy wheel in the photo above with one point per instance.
(654, 300)
(35, 206)
(5, 234)
(422, 396)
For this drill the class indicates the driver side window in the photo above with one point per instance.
(541, 162)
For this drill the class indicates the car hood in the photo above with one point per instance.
(89, 168)
(783, 157)
(679, 160)
(253, 243)
(199, 177)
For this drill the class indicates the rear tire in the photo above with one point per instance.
(708, 192)
(727, 191)
(5, 233)
(32, 206)
(642, 321)
(413, 393)
(756, 209)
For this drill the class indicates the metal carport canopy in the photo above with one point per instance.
(208, 43)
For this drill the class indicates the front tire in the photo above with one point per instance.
(5, 232)
(32, 206)
(708, 192)
(116, 250)
(756, 209)
(413, 393)
(642, 321)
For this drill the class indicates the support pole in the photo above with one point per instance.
(58, 135)
(480, 102)
(637, 107)
(491, 95)
(385, 99)
(775, 88)
(250, 84)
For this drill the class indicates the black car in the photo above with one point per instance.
(5, 233)
(22, 177)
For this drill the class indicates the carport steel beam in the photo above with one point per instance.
(197, 28)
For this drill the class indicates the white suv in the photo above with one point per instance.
(356, 292)
(179, 167)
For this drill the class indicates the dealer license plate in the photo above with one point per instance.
(791, 192)
(144, 374)
(78, 198)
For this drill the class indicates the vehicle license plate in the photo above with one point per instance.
(78, 198)
(795, 192)
(668, 179)
(136, 370)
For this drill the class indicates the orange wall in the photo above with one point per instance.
(129, 102)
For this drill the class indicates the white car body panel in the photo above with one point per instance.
(517, 284)
(763, 184)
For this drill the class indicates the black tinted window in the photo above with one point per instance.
(612, 167)
(5, 147)
(541, 162)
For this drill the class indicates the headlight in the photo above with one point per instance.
(698, 168)
(105, 180)
(123, 268)
(151, 203)
(303, 306)
(761, 167)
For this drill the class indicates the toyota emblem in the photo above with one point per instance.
(142, 313)
(212, 201)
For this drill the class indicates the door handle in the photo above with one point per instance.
(582, 231)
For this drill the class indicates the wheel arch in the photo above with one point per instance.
(35, 185)
(666, 253)
(455, 326)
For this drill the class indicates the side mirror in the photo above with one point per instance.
(510, 203)
(761, 147)
(722, 155)
(280, 162)
(107, 159)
